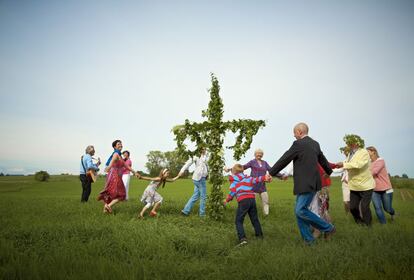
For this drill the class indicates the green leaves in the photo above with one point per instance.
(210, 134)
(247, 129)
(352, 139)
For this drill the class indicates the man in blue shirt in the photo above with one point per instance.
(86, 164)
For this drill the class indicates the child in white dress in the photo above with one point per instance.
(151, 197)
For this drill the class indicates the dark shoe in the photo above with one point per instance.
(328, 235)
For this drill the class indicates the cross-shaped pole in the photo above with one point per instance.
(210, 134)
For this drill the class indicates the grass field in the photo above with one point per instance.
(46, 233)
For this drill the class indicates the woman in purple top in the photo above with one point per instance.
(258, 168)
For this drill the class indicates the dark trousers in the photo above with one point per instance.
(86, 187)
(359, 205)
(247, 206)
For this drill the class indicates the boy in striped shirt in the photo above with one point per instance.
(241, 187)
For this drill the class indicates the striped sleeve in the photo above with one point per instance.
(232, 192)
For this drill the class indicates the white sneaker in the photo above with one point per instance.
(242, 243)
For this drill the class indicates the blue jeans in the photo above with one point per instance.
(380, 200)
(200, 191)
(307, 218)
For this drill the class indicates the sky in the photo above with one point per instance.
(76, 73)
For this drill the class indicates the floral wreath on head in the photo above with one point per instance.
(352, 139)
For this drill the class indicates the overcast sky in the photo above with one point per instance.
(74, 73)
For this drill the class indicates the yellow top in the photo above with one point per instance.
(360, 178)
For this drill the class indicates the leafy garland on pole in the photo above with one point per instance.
(210, 134)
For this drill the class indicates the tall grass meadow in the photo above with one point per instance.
(46, 233)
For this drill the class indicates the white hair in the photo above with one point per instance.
(258, 151)
(303, 127)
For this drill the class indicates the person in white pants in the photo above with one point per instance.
(126, 174)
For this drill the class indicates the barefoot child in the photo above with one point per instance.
(150, 196)
(242, 187)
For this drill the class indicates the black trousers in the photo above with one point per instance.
(247, 206)
(86, 187)
(359, 205)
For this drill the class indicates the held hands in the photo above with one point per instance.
(339, 165)
(226, 169)
(268, 178)
(175, 178)
(107, 169)
(138, 175)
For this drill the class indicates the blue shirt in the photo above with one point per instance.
(87, 162)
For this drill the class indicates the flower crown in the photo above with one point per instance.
(351, 139)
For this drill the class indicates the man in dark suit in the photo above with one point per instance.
(306, 154)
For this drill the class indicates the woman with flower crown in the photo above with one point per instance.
(360, 181)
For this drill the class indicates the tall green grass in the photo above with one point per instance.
(46, 233)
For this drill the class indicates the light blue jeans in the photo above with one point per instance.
(380, 200)
(307, 218)
(200, 192)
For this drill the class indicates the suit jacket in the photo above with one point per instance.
(306, 154)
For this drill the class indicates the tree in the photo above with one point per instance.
(156, 162)
(42, 176)
(174, 161)
(1, 174)
(210, 134)
(405, 176)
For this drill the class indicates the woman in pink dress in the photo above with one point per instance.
(114, 190)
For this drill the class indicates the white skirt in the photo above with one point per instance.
(151, 196)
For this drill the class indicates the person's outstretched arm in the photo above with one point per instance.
(172, 179)
(155, 179)
(287, 157)
(324, 163)
(128, 167)
(279, 175)
(185, 166)
(247, 165)
(357, 162)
